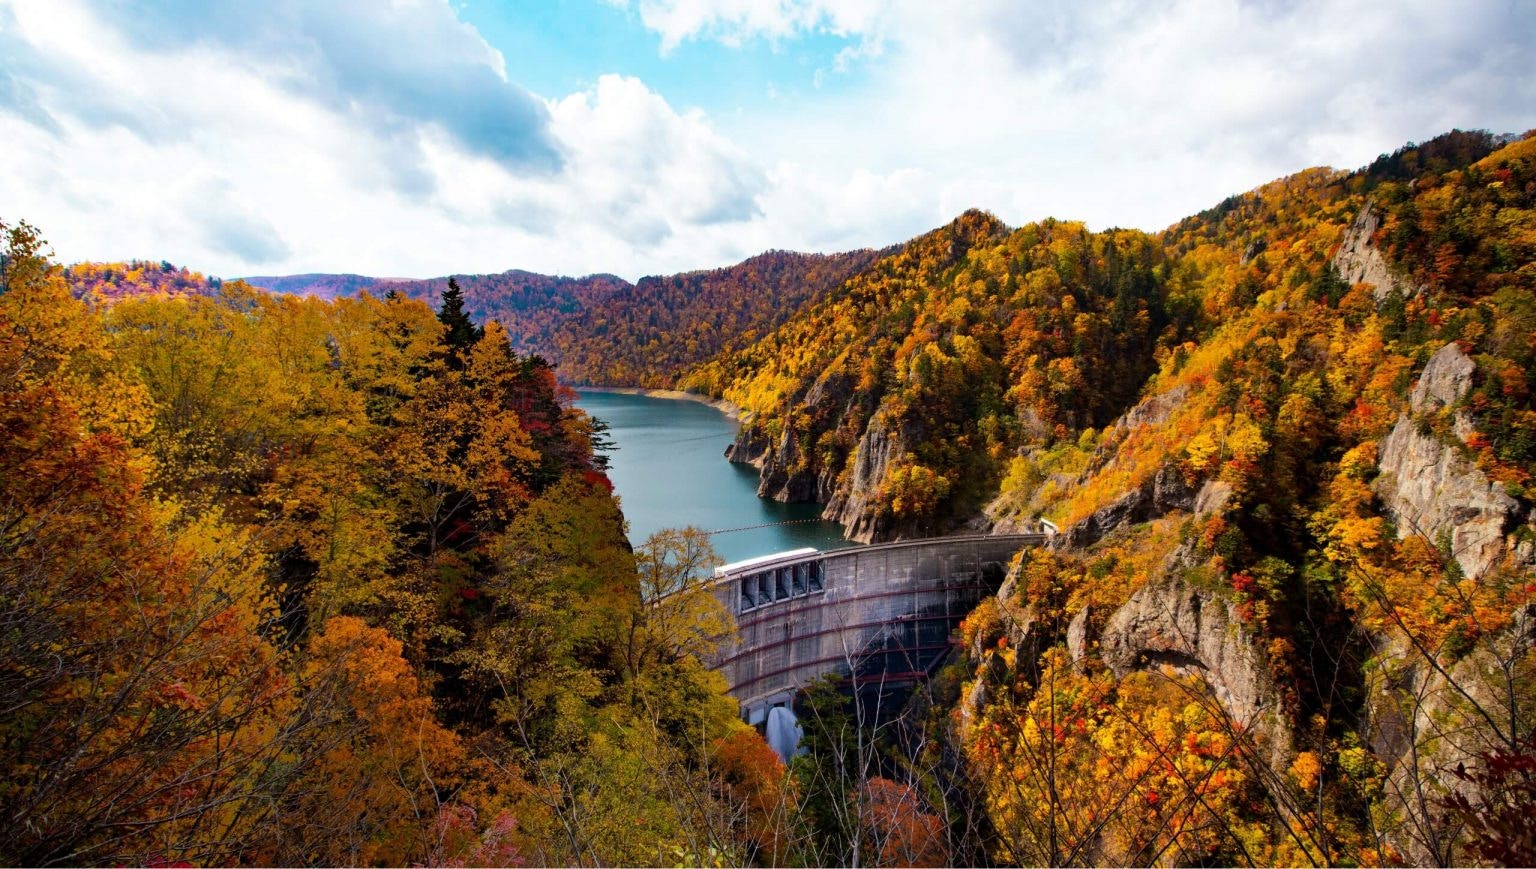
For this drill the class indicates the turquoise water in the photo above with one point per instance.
(670, 471)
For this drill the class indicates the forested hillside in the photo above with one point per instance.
(1290, 444)
(107, 282)
(898, 399)
(1319, 516)
(321, 286)
(602, 330)
(292, 582)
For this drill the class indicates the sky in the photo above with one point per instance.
(414, 138)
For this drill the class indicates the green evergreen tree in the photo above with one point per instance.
(461, 332)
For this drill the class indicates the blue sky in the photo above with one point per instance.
(423, 137)
(563, 46)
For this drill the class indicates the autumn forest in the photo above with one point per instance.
(326, 569)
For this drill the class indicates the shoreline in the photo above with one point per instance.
(720, 404)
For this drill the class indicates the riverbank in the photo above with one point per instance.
(719, 404)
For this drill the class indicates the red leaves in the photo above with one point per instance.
(597, 480)
(900, 831)
(1500, 824)
(177, 694)
(461, 841)
(1243, 584)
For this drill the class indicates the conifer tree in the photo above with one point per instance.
(461, 332)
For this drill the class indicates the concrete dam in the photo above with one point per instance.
(880, 616)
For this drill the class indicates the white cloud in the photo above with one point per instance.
(305, 135)
(388, 67)
(1129, 112)
(627, 141)
(234, 162)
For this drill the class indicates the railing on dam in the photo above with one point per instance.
(882, 612)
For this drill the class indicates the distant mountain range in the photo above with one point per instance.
(321, 285)
(602, 329)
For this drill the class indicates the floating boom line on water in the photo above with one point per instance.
(763, 525)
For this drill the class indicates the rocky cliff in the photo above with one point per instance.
(851, 492)
(1430, 713)
(1359, 261)
(1169, 622)
(790, 470)
(1429, 487)
(1428, 718)
(854, 501)
(1196, 631)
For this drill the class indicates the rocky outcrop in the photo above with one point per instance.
(750, 447)
(1025, 636)
(1359, 261)
(787, 472)
(1198, 632)
(1165, 492)
(1430, 488)
(1153, 410)
(1016, 624)
(854, 502)
(1212, 497)
(1445, 381)
(1168, 622)
(1079, 632)
(1428, 717)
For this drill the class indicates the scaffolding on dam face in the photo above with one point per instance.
(881, 613)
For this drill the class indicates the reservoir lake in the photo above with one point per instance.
(669, 470)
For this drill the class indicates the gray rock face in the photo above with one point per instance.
(787, 473)
(1446, 380)
(1429, 488)
(1027, 638)
(1426, 722)
(1360, 262)
(1078, 637)
(1153, 410)
(853, 504)
(1168, 622)
(1212, 497)
(788, 477)
(791, 472)
(1165, 492)
(1197, 632)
